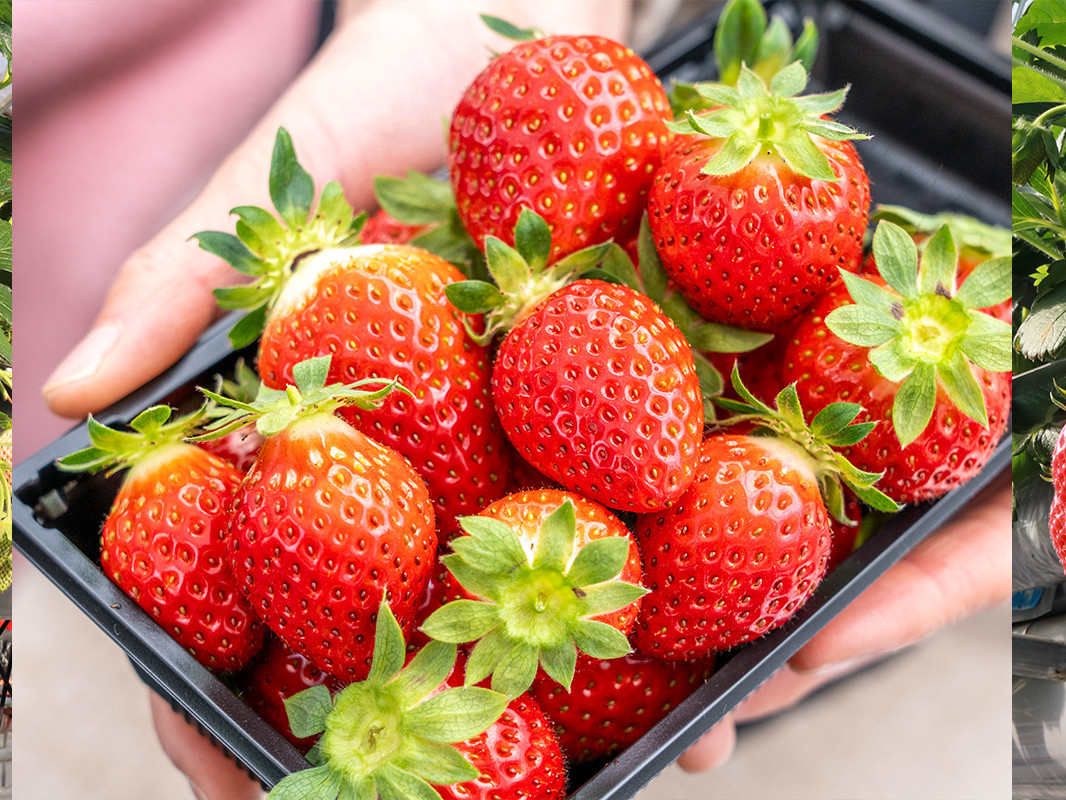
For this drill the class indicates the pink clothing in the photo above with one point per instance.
(124, 108)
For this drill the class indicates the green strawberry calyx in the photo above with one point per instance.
(152, 432)
(267, 246)
(814, 443)
(275, 410)
(759, 119)
(923, 331)
(535, 610)
(391, 735)
(521, 277)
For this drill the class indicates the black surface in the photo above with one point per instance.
(938, 103)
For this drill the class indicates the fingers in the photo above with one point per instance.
(212, 774)
(712, 749)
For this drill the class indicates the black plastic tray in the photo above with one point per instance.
(937, 102)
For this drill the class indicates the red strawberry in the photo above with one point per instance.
(594, 385)
(929, 368)
(327, 524)
(551, 570)
(1058, 503)
(614, 702)
(845, 536)
(382, 228)
(378, 310)
(754, 219)
(275, 675)
(746, 545)
(403, 733)
(571, 127)
(163, 542)
(240, 447)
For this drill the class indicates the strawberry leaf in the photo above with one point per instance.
(455, 715)
(598, 561)
(606, 597)
(600, 640)
(230, 249)
(560, 663)
(416, 199)
(434, 762)
(987, 343)
(914, 403)
(307, 711)
(962, 387)
(516, 670)
(248, 328)
(897, 258)
(533, 240)
(461, 621)
(292, 190)
(486, 656)
(555, 540)
(426, 670)
(393, 783)
(492, 545)
(988, 284)
(319, 782)
(389, 648)
(939, 264)
(509, 30)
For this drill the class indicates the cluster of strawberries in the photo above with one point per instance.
(493, 501)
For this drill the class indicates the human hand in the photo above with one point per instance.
(348, 124)
(959, 570)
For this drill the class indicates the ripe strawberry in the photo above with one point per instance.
(551, 570)
(1057, 520)
(240, 447)
(571, 127)
(929, 368)
(378, 310)
(594, 385)
(746, 545)
(274, 676)
(757, 207)
(327, 523)
(397, 733)
(613, 702)
(381, 228)
(976, 242)
(163, 543)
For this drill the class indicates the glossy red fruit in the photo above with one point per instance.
(1058, 504)
(163, 544)
(755, 248)
(276, 674)
(238, 449)
(569, 126)
(613, 702)
(381, 228)
(380, 311)
(949, 451)
(327, 524)
(597, 389)
(737, 554)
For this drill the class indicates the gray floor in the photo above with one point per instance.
(929, 724)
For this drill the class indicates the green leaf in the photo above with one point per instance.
(491, 546)
(873, 497)
(824, 103)
(652, 271)
(485, 656)
(804, 157)
(740, 28)
(533, 240)
(939, 264)
(791, 80)
(362, 789)
(712, 337)
(711, 383)
(434, 762)
(248, 328)
(914, 403)
(897, 258)
(1042, 334)
(788, 406)
(292, 189)
(389, 645)
(307, 711)
(393, 783)
(1028, 85)
(598, 561)
(604, 598)
(600, 640)
(989, 284)
(415, 200)
(455, 714)
(892, 360)
(427, 670)
(617, 263)
(461, 621)
(509, 30)
(806, 47)
(987, 343)
(516, 670)
(555, 539)
(474, 580)
(559, 663)
(320, 783)
(958, 380)
(507, 266)
(734, 155)
(473, 297)
(862, 325)
(230, 249)
(236, 298)
(834, 418)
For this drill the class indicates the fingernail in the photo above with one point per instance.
(838, 668)
(85, 359)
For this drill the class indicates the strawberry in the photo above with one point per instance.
(741, 551)
(378, 310)
(552, 572)
(929, 367)
(1057, 519)
(382, 228)
(401, 733)
(571, 127)
(760, 202)
(327, 523)
(275, 675)
(162, 542)
(240, 447)
(613, 702)
(594, 385)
